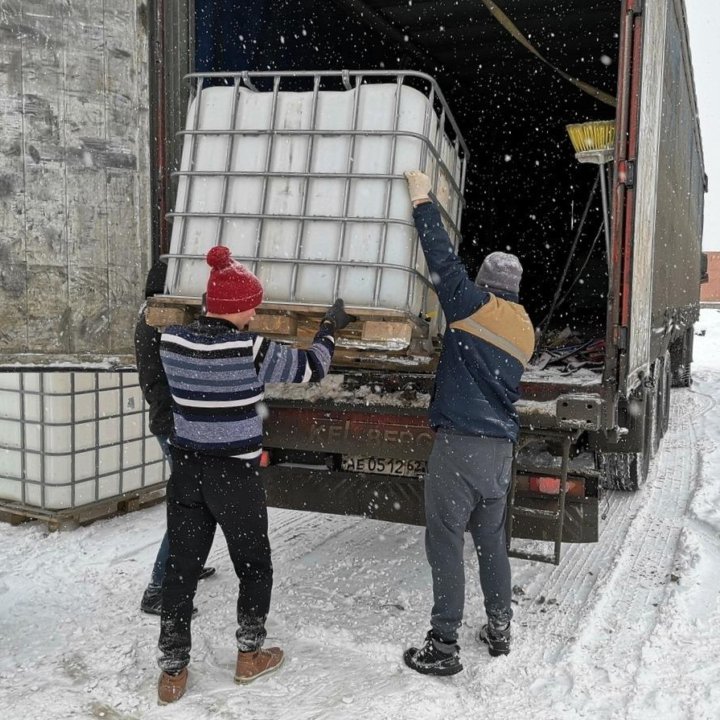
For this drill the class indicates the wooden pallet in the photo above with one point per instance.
(16, 513)
(379, 338)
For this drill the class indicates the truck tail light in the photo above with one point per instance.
(265, 458)
(550, 485)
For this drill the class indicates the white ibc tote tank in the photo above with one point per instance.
(307, 187)
(70, 439)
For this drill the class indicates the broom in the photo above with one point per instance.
(593, 142)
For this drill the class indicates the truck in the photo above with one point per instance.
(611, 251)
(615, 319)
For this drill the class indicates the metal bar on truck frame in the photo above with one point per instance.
(563, 494)
(624, 210)
(612, 321)
(606, 217)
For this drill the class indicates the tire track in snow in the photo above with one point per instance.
(629, 598)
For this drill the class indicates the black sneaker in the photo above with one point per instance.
(151, 602)
(435, 657)
(498, 641)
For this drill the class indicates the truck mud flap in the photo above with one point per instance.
(580, 524)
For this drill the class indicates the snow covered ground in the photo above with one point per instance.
(625, 628)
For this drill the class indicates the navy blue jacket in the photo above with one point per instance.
(488, 342)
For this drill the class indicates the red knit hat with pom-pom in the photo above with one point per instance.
(231, 288)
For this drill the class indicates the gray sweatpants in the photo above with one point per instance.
(466, 489)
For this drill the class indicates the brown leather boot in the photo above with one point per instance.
(251, 665)
(171, 687)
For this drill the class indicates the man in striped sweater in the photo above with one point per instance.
(217, 372)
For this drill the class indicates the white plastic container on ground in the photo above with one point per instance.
(307, 187)
(68, 439)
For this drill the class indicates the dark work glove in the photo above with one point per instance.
(337, 316)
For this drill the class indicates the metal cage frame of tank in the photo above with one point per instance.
(46, 398)
(350, 79)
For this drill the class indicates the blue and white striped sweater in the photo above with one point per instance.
(217, 376)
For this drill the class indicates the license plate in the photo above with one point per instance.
(384, 466)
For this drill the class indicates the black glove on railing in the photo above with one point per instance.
(337, 316)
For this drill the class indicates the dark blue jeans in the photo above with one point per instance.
(158, 573)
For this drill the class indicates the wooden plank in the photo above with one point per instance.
(162, 317)
(360, 312)
(395, 332)
(16, 512)
(69, 361)
(176, 300)
(368, 342)
(13, 518)
(267, 324)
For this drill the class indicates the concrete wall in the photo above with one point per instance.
(74, 177)
(710, 291)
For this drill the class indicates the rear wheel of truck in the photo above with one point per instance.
(629, 470)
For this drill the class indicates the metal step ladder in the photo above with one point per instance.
(557, 516)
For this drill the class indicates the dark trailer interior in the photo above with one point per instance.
(525, 191)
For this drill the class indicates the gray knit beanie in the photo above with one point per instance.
(500, 271)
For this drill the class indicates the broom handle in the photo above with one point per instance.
(606, 219)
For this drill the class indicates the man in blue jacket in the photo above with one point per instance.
(488, 341)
